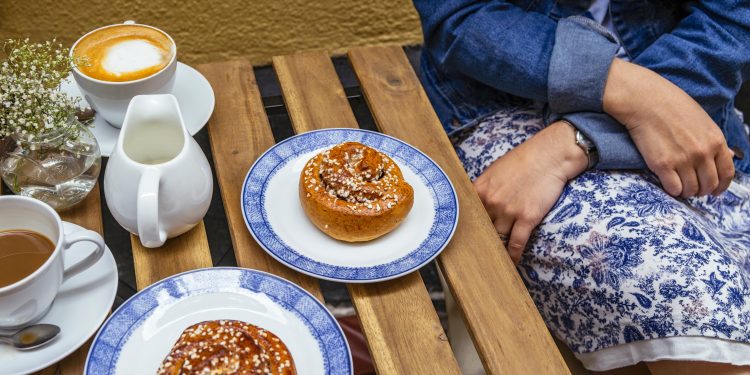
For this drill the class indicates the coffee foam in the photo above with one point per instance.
(124, 53)
(131, 56)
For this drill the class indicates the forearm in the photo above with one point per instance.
(629, 87)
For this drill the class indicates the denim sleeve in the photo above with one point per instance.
(579, 65)
(520, 52)
(493, 42)
(616, 149)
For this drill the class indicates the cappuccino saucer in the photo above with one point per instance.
(193, 93)
(81, 305)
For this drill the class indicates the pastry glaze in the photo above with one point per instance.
(354, 193)
(220, 347)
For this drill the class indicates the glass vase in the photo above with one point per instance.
(60, 171)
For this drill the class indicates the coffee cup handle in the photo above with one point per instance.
(84, 235)
(147, 209)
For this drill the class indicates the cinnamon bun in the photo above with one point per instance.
(354, 193)
(220, 347)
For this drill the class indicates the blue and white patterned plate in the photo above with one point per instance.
(275, 217)
(138, 335)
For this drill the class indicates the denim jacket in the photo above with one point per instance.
(483, 55)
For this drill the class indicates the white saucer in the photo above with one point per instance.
(193, 92)
(81, 306)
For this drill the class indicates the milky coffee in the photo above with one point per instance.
(124, 53)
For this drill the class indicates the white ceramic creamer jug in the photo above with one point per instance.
(157, 183)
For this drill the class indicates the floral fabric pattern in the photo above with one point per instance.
(617, 260)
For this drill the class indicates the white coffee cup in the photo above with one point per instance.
(27, 300)
(110, 99)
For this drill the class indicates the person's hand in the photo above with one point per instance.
(520, 188)
(676, 137)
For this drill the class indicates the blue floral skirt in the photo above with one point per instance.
(623, 272)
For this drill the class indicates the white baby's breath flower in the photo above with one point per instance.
(30, 101)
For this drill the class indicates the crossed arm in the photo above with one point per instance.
(657, 110)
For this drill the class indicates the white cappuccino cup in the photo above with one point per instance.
(28, 299)
(121, 61)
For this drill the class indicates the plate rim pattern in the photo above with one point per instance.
(252, 200)
(109, 341)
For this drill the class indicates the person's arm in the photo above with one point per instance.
(705, 56)
(567, 63)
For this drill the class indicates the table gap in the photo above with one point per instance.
(217, 227)
(118, 241)
(270, 92)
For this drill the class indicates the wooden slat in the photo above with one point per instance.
(403, 331)
(239, 132)
(87, 214)
(183, 253)
(508, 331)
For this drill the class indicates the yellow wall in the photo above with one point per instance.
(220, 30)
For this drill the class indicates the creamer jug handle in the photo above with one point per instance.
(149, 229)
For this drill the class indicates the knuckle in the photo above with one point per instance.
(494, 200)
(717, 146)
(524, 217)
(680, 160)
(702, 152)
(716, 141)
(512, 210)
(661, 165)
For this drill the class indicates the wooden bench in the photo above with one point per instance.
(400, 325)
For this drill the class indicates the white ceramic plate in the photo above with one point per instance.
(137, 337)
(275, 218)
(79, 308)
(193, 92)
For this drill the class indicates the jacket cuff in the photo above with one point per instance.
(579, 65)
(612, 141)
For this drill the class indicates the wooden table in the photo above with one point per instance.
(399, 322)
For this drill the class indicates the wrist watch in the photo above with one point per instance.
(586, 145)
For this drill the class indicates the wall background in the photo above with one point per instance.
(224, 29)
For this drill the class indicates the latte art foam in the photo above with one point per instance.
(130, 56)
(124, 53)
